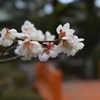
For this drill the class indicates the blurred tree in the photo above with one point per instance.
(13, 84)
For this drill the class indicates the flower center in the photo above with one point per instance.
(8, 34)
(64, 43)
(48, 47)
(61, 34)
(28, 45)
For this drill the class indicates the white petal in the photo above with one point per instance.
(81, 39)
(3, 33)
(53, 54)
(53, 37)
(59, 49)
(49, 37)
(22, 36)
(47, 34)
(20, 42)
(66, 26)
(75, 37)
(26, 58)
(13, 31)
(0, 41)
(66, 37)
(80, 46)
(43, 57)
(16, 51)
(72, 31)
(7, 42)
(58, 28)
(40, 36)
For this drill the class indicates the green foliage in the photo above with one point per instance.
(20, 94)
(19, 78)
(13, 83)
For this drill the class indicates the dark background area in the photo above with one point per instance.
(84, 18)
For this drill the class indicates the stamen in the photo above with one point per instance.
(61, 34)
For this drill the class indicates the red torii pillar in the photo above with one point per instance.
(48, 81)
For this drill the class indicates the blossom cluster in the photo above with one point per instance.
(31, 42)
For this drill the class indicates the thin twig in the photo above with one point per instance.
(9, 59)
(41, 41)
(10, 48)
(6, 50)
(3, 52)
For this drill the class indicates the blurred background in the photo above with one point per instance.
(17, 77)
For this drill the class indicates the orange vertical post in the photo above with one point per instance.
(57, 91)
(48, 81)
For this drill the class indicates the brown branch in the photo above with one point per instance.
(6, 50)
(9, 59)
(1, 54)
(57, 40)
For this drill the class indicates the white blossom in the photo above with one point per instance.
(70, 45)
(34, 34)
(7, 37)
(64, 30)
(30, 46)
(49, 37)
(28, 49)
(29, 28)
(49, 51)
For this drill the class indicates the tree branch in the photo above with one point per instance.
(1, 54)
(9, 59)
(39, 41)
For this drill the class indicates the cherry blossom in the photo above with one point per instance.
(31, 42)
(34, 34)
(29, 28)
(7, 37)
(28, 49)
(70, 45)
(64, 30)
(49, 51)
